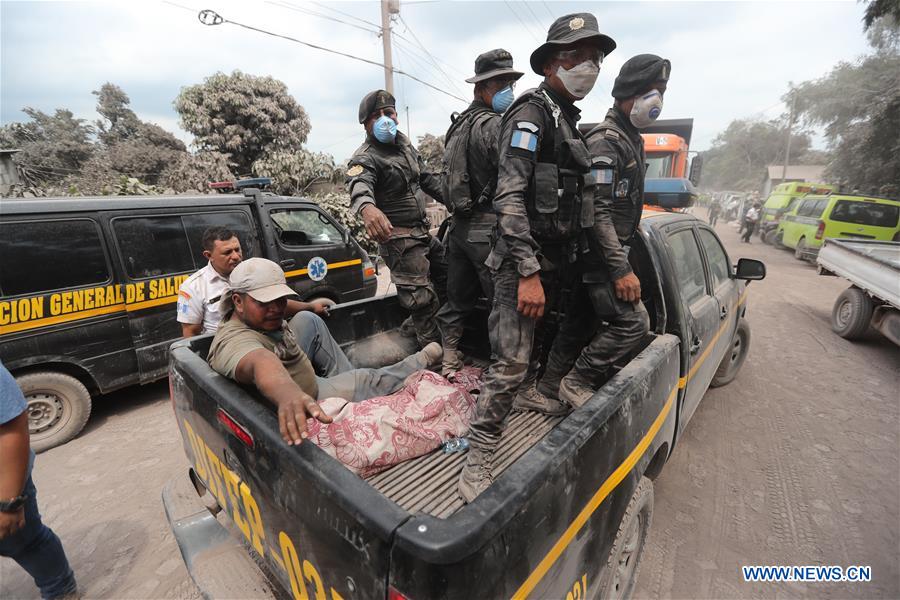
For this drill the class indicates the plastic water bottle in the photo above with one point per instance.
(459, 444)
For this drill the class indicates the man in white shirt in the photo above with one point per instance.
(750, 221)
(198, 304)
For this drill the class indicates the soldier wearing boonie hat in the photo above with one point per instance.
(541, 169)
(610, 290)
(469, 180)
(384, 177)
(255, 345)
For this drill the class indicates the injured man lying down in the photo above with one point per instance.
(356, 414)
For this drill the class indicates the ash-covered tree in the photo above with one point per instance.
(431, 149)
(52, 146)
(244, 116)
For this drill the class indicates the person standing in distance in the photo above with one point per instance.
(542, 165)
(609, 290)
(469, 181)
(384, 175)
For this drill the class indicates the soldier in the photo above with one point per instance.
(469, 181)
(609, 290)
(542, 164)
(384, 175)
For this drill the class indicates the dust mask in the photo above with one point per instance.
(580, 79)
(646, 109)
(385, 129)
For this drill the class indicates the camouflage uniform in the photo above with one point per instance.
(389, 176)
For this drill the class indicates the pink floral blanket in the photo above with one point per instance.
(376, 434)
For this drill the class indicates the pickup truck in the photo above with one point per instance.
(570, 508)
(873, 299)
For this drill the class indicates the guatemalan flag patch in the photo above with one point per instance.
(524, 140)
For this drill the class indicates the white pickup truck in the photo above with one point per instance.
(873, 267)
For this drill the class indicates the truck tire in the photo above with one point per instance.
(624, 560)
(851, 314)
(800, 250)
(58, 408)
(733, 361)
(778, 239)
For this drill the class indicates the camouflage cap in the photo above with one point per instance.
(374, 101)
(494, 63)
(639, 73)
(569, 29)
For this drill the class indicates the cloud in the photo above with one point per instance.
(730, 59)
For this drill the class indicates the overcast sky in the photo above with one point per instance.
(729, 59)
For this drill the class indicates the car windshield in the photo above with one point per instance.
(865, 213)
(658, 165)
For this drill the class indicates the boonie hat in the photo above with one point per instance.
(374, 101)
(639, 73)
(260, 278)
(493, 63)
(568, 30)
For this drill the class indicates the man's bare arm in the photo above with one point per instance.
(295, 306)
(264, 370)
(191, 329)
(14, 450)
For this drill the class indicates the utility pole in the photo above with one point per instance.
(787, 151)
(388, 8)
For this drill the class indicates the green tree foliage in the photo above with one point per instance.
(52, 146)
(244, 116)
(740, 155)
(858, 103)
(431, 149)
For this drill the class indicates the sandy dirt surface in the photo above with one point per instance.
(795, 462)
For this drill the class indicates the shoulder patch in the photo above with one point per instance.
(354, 170)
(611, 134)
(602, 174)
(527, 125)
(603, 160)
(524, 140)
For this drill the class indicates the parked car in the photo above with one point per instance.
(782, 200)
(88, 285)
(569, 511)
(816, 218)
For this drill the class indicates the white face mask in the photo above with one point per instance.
(646, 109)
(580, 79)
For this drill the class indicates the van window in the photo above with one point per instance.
(806, 208)
(51, 255)
(718, 260)
(865, 213)
(153, 246)
(688, 264)
(236, 221)
(820, 207)
(304, 227)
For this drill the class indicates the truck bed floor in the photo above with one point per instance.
(428, 484)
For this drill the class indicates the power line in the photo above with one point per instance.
(527, 6)
(296, 8)
(446, 64)
(210, 17)
(340, 12)
(549, 12)
(428, 54)
(413, 54)
(516, 15)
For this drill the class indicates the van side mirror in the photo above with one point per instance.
(750, 269)
(696, 166)
(346, 237)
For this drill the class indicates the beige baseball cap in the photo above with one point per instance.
(260, 278)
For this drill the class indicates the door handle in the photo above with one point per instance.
(724, 312)
(695, 344)
(287, 263)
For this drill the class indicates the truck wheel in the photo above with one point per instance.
(851, 314)
(800, 250)
(625, 556)
(58, 408)
(733, 361)
(778, 240)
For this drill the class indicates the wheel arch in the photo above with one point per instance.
(66, 367)
(656, 464)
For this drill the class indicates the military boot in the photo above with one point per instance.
(452, 362)
(476, 475)
(529, 398)
(408, 328)
(575, 390)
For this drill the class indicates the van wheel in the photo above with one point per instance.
(58, 408)
(778, 240)
(733, 361)
(851, 314)
(621, 572)
(800, 250)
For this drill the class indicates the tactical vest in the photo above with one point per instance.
(630, 174)
(554, 198)
(459, 197)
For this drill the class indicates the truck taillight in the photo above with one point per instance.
(821, 230)
(368, 269)
(394, 594)
(239, 431)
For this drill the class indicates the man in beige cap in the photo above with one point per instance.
(254, 345)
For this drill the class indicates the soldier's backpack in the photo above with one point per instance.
(456, 187)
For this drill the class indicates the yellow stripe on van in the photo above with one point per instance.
(85, 314)
(337, 265)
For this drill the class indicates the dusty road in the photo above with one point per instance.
(796, 462)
